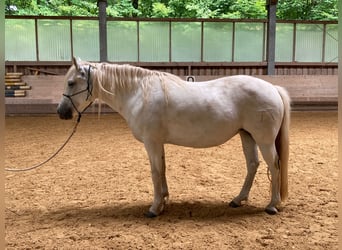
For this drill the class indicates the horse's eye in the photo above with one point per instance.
(71, 83)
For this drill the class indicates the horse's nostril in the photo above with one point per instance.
(66, 116)
(64, 112)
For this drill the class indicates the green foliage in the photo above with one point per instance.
(308, 9)
(286, 9)
(247, 9)
(52, 7)
(160, 10)
(121, 8)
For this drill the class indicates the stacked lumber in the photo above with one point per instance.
(14, 86)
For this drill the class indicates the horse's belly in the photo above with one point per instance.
(200, 136)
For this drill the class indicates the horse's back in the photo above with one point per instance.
(240, 92)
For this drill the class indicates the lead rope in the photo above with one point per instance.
(52, 156)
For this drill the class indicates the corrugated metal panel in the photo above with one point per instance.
(154, 42)
(309, 39)
(331, 43)
(19, 34)
(122, 39)
(186, 41)
(85, 39)
(54, 41)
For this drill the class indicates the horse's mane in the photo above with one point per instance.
(114, 78)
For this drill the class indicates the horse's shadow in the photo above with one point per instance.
(176, 211)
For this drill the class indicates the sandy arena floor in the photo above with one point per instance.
(94, 193)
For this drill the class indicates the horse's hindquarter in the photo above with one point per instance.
(261, 108)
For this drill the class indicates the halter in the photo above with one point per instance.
(89, 90)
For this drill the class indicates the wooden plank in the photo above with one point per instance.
(15, 93)
(12, 79)
(15, 83)
(18, 87)
(37, 71)
(9, 91)
(13, 74)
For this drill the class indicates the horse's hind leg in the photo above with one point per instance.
(270, 155)
(156, 156)
(251, 154)
(165, 189)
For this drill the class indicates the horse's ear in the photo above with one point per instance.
(76, 62)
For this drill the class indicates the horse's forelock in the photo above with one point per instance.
(70, 72)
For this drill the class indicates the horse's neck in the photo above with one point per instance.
(118, 93)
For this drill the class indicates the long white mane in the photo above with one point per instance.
(114, 78)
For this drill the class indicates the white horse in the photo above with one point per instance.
(161, 108)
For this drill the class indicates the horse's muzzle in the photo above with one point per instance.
(65, 111)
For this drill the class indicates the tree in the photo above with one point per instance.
(121, 8)
(247, 9)
(286, 9)
(308, 9)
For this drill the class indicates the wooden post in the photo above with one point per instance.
(339, 198)
(102, 4)
(271, 6)
(2, 125)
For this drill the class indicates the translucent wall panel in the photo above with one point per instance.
(249, 39)
(284, 42)
(154, 41)
(54, 43)
(309, 42)
(331, 43)
(217, 42)
(186, 41)
(20, 40)
(122, 41)
(85, 36)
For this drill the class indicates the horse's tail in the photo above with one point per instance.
(282, 143)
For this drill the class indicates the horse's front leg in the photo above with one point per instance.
(156, 156)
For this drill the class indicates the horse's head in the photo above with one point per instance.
(77, 92)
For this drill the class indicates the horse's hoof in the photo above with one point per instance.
(234, 204)
(271, 210)
(150, 214)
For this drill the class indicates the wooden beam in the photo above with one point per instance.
(271, 33)
(102, 4)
